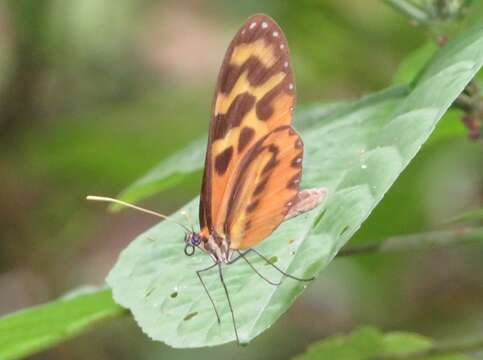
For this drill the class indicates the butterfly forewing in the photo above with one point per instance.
(255, 94)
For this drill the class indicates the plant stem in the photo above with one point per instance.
(409, 10)
(470, 100)
(429, 240)
(464, 102)
(453, 347)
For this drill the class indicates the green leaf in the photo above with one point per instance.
(402, 342)
(37, 328)
(449, 127)
(414, 63)
(370, 343)
(361, 344)
(356, 151)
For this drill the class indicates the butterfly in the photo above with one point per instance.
(253, 162)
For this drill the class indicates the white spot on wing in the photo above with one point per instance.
(282, 46)
(253, 24)
(285, 64)
(290, 86)
(275, 34)
(264, 25)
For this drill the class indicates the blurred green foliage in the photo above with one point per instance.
(95, 93)
(370, 343)
(39, 327)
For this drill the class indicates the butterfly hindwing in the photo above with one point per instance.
(265, 188)
(306, 200)
(255, 94)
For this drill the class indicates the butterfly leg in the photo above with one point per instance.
(229, 303)
(242, 255)
(206, 289)
(280, 270)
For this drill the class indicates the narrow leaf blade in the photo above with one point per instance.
(37, 328)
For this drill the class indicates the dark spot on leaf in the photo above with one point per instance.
(272, 260)
(319, 218)
(190, 316)
(175, 294)
(344, 230)
(291, 241)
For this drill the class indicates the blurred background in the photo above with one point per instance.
(94, 93)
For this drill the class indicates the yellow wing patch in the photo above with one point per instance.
(242, 52)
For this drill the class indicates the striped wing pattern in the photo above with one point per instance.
(255, 96)
(265, 188)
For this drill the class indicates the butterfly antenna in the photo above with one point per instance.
(123, 203)
(190, 220)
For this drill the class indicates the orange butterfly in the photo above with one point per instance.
(253, 163)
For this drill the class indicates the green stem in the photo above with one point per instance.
(429, 240)
(410, 10)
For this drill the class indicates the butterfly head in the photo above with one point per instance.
(192, 241)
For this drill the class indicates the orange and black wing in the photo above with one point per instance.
(254, 96)
(265, 188)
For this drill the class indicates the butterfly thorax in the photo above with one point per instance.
(218, 247)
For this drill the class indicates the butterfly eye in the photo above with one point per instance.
(196, 239)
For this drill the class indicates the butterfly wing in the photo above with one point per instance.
(306, 200)
(265, 187)
(254, 96)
